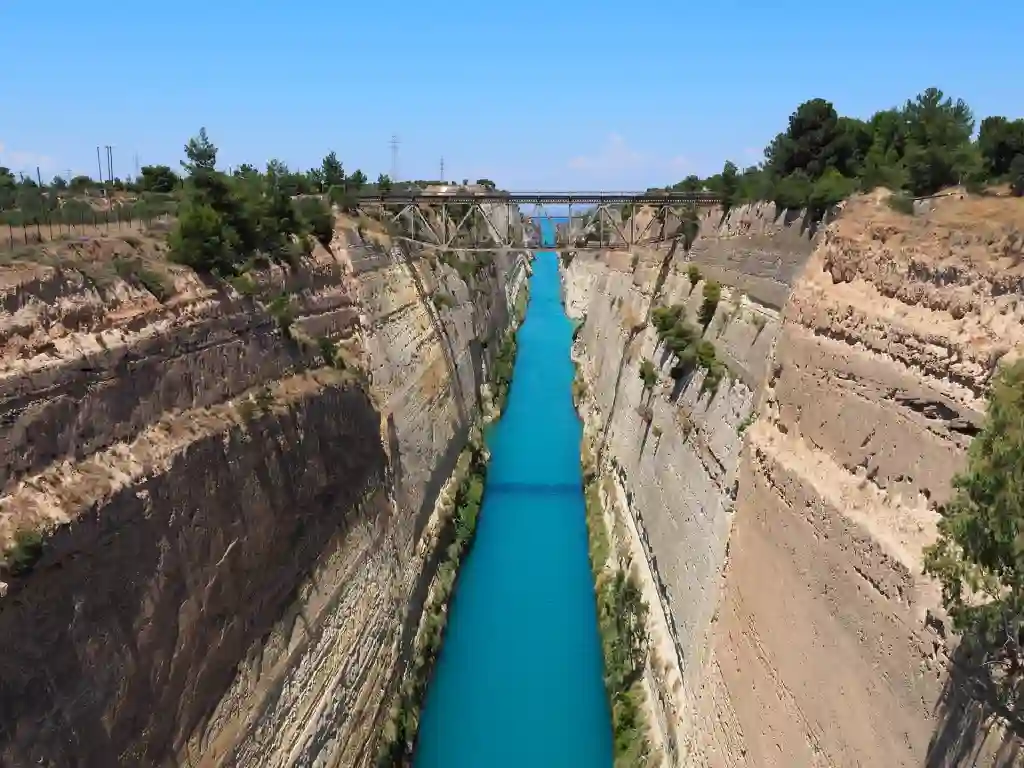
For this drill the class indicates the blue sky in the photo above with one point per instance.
(564, 95)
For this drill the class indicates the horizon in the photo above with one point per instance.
(266, 88)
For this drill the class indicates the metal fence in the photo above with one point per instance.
(56, 226)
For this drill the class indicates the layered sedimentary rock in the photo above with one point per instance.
(784, 516)
(672, 450)
(232, 565)
(830, 641)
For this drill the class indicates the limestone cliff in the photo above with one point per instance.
(233, 482)
(830, 641)
(786, 553)
(672, 450)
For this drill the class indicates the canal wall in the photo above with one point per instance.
(782, 516)
(235, 483)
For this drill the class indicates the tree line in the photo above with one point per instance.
(918, 148)
(227, 221)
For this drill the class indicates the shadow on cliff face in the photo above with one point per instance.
(970, 715)
(130, 629)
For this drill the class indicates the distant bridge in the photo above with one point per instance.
(494, 221)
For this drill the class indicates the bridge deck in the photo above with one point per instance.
(542, 198)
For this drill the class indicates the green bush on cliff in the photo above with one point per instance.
(712, 295)
(693, 272)
(622, 621)
(979, 555)
(663, 318)
(318, 217)
(648, 373)
(683, 339)
(504, 364)
(23, 554)
(398, 739)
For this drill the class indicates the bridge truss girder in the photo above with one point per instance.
(477, 226)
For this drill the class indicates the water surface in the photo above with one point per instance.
(519, 679)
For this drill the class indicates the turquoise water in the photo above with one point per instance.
(519, 679)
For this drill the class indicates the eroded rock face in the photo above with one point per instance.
(806, 632)
(673, 450)
(235, 566)
(827, 638)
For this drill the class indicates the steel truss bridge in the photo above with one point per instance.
(496, 221)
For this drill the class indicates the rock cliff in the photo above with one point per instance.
(783, 516)
(234, 483)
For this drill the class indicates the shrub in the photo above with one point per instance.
(681, 336)
(712, 295)
(135, 272)
(318, 217)
(280, 309)
(901, 203)
(328, 350)
(693, 272)
(648, 373)
(442, 301)
(245, 284)
(664, 318)
(686, 363)
(1017, 175)
(26, 550)
(202, 240)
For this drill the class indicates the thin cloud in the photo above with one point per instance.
(20, 159)
(615, 155)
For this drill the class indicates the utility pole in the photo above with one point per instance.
(110, 163)
(442, 170)
(99, 167)
(39, 178)
(136, 165)
(394, 158)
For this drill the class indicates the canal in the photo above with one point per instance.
(519, 679)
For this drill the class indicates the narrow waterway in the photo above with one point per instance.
(518, 683)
